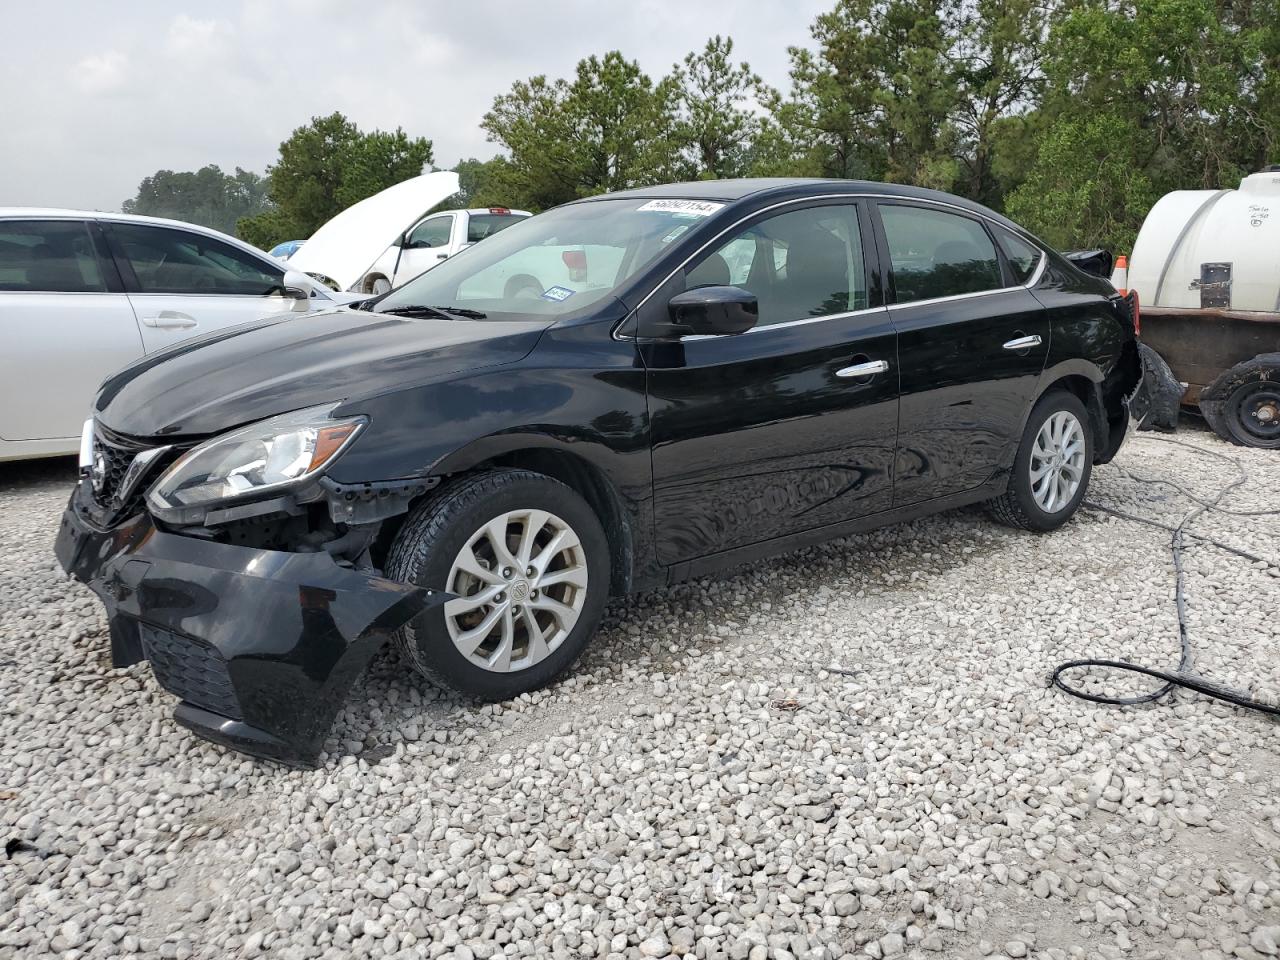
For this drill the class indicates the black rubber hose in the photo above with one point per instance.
(1183, 675)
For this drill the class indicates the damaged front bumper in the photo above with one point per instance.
(261, 646)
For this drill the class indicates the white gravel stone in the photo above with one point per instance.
(849, 751)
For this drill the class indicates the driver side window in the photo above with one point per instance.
(167, 260)
(431, 233)
(800, 265)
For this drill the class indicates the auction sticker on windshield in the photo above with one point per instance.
(690, 208)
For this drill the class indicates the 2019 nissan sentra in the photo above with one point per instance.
(612, 396)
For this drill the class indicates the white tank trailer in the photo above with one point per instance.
(1206, 268)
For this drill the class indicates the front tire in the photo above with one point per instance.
(1052, 469)
(529, 564)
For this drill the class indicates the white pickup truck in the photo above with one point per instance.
(393, 236)
(435, 238)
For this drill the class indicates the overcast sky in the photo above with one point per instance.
(97, 95)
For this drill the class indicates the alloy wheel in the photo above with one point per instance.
(1057, 461)
(521, 584)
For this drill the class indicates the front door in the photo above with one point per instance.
(790, 426)
(972, 342)
(427, 245)
(183, 283)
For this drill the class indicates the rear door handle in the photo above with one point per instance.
(868, 369)
(1023, 343)
(169, 320)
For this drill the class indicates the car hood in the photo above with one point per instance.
(256, 370)
(344, 248)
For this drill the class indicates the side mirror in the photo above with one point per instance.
(300, 287)
(713, 311)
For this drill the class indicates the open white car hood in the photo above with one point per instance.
(344, 248)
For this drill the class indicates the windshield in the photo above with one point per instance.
(553, 264)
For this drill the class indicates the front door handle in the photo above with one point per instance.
(169, 320)
(1023, 343)
(868, 369)
(442, 256)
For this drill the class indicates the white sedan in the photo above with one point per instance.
(83, 294)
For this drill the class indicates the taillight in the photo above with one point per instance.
(499, 210)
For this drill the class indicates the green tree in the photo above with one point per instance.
(479, 182)
(327, 166)
(609, 128)
(875, 99)
(997, 49)
(1145, 97)
(718, 121)
(206, 196)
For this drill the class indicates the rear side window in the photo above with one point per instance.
(1023, 257)
(48, 256)
(937, 254)
(175, 261)
(481, 225)
(431, 233)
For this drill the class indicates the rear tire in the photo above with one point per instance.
(529, 562)
(1052, 469)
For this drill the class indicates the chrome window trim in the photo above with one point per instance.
(865, 311)
(1035, 277)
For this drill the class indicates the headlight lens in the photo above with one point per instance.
(272, 455)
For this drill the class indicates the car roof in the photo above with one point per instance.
(48, 213)
(58, 213)
(730, 191)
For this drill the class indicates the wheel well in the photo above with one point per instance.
(581, 477)
(1087, 393)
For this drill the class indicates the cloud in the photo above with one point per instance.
(188, 36)
(101, 72)
(128, 89)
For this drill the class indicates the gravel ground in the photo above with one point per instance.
(849, 751)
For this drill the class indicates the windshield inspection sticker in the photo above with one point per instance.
(557, 293)
(690, 208)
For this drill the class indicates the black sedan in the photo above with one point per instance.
(612, 396)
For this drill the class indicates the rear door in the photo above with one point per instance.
(65, 324)
(183, 283)
(972, 342)
(427, 245)
(790, 426)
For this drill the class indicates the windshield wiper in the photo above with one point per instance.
(448, 313)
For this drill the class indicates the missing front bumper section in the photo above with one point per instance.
(262, 646)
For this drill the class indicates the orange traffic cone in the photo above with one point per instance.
(1120, 276)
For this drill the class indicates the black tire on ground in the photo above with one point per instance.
(1164, 390)
(1243, 404)
(424, 551)
(1017, 506)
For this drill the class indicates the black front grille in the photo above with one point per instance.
(112, 456)
(111, 459)
(190, 669)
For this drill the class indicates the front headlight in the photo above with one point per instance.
(272, 455)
